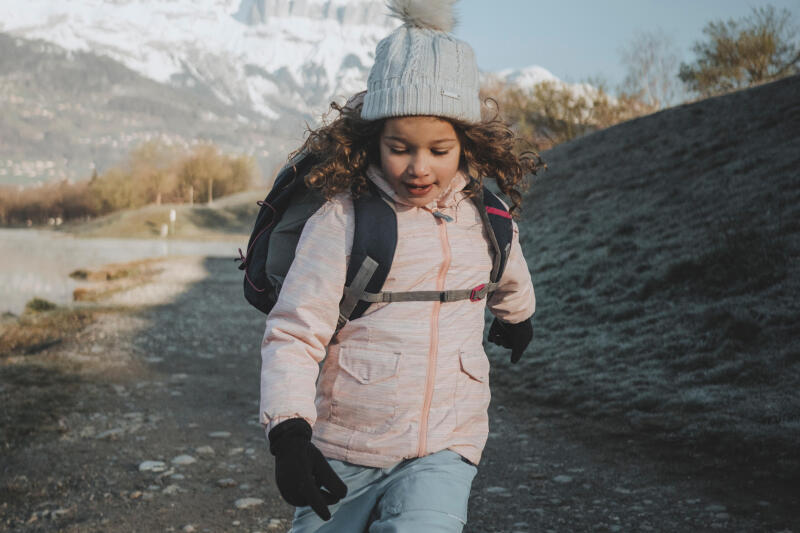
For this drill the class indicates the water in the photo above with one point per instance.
(37, 263)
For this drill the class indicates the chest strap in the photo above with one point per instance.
(356, 292)
(475, 294)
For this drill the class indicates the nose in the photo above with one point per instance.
(418, 166)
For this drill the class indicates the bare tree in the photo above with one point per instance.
(652, 64)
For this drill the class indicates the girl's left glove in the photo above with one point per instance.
(514, 336)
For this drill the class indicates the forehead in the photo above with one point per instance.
(419, 129)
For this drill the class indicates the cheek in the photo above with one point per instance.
(392, 165)
(447, 168)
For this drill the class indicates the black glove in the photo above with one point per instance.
(300, 469)
(514, 336)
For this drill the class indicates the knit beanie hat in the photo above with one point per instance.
(421, 69)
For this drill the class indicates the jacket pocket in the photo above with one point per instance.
(475, 365)
(364, 395)
(472, 391)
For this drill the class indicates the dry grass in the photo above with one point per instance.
(42, 326)
(114, 278)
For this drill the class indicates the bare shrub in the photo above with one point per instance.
(551, 113)
(152, 173)
(741, 53)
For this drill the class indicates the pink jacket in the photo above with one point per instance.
(407, 379)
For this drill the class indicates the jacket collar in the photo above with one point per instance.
(448, 198)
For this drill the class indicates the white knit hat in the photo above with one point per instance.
(420, 69)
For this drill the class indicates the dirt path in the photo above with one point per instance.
(155, 429)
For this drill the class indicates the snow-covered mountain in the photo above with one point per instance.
(271, 56)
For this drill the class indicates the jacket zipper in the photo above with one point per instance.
(430, 380)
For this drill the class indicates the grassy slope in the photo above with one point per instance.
(230, 216)
(664, 252)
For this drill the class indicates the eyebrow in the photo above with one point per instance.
(402, 140)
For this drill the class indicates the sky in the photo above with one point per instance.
(579, 39)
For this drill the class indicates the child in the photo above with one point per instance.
(399, 412)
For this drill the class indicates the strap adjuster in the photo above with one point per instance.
(478, 293)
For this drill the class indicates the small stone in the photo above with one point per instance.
(226, 483)
(111, 434)
(58, 513)
(236, 451)
(220, 434)
(152, 466)
(715, 508)
(205, 450)
(183, 460)
(177, 477)
(154, 487)
(274, 523)
(135, 495)
(236, 523)
(247, 503)
(496, 490)
(563, 479)
(189, 528)
(171, 489)
(244, 486)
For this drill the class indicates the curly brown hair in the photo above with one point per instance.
(346, 146)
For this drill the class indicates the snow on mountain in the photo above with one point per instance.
(528, 77)
(271, 56)
(525, 78)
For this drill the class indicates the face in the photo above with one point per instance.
(419, 157)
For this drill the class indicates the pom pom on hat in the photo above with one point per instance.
(429, 14)
(421, 68)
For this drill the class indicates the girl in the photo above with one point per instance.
(399, 412)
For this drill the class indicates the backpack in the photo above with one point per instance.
(290, 203)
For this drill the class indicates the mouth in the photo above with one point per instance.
(418, 190)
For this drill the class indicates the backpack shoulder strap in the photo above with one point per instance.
(374, 243)
(499, 227)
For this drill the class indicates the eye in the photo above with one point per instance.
(397, 150)
(440, 152)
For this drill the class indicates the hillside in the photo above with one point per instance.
(664, 252)
(230, 217)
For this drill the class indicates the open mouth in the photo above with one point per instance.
(418, 190)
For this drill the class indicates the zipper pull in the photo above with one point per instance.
(439, 214)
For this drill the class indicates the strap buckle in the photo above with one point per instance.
(478, 293)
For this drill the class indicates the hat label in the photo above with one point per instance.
(450, 95)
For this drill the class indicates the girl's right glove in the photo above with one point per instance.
(301, 471)
(514, 336)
